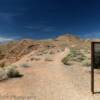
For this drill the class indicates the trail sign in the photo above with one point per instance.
(95, 61)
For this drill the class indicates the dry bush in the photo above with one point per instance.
(58, 50)
(12, 72)
(66, 59)
(86, 62)
(9, 72)
(51, 52)
(3, 74)
(35, 59)
(45, 52)
(39, 54)
(26, 65)
(2, 64)
(48, 58)
(31, 59)
(74, 55)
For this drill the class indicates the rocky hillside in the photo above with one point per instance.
(15, 50)
(74, 41)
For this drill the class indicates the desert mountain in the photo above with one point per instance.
(74, 41)
(13, 51)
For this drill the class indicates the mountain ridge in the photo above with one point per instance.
(14, 50)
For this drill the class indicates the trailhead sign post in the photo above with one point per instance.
(95, 61)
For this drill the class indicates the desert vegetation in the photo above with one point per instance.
(9, 72)
(76, 55)
(25, 65)
(86, 62)
(48, 58)
(3, 74)
(17, 49)
(44, 51)
(44, 63)
(12, 72)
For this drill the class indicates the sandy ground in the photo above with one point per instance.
(50, 80)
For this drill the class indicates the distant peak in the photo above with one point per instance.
(67, 36)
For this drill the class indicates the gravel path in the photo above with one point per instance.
(50, 81)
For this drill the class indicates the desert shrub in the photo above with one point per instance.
(37, 58)
(62, 49)
(25, 65)
(9, 72)
(42, 52)
(45, 52)
(2, 64)
(32, 59)
(58, 50)
(39, 54)
(50, 46)
(74, 55)
(51, 52)
(14, 66)
(86, 62)
(48, 58)
(3, 74)
(65, 60)
(12, 72)
(2, 56)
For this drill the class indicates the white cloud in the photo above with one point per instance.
(4, 39)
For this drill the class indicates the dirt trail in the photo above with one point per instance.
(50, 81)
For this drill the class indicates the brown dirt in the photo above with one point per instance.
(50, 81)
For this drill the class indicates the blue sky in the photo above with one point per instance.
(49, 18)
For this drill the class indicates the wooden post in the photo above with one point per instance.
(92, 67)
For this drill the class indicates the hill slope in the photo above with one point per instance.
(15, 50)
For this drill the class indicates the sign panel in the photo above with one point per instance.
(96, 55)
(95, 61)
